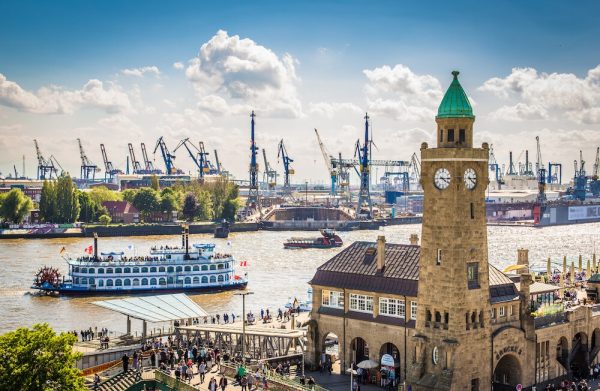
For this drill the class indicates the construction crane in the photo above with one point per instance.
(166, 155)
(287, 170)
(88, 169)
(219, 172)
(253, 200)
(511, 165)
(328, 163)
(415, 168)
(135, 164)
(364, 194)
(269, 175)
(579, 179)
(595, 179)
(109, 170)
(554, 173)
(53, 160)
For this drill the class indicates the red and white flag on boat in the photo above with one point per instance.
(243, 263)
(89, 250)
(236, 277)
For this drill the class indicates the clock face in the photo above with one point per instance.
(470, 178)
(442, 178)
(435, 355)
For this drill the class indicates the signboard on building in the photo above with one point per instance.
(584, 212)
(387, 360)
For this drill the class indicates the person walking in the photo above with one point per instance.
(212, 384)
(125, 360)
(223, 383)
(96, 381)
(202, 371)
(244, 382)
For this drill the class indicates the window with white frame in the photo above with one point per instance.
(413, 310)
(334, 299)
(391, 307)
(502, 311)
(361, 303)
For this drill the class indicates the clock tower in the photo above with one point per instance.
(452, 334)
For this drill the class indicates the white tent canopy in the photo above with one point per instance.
(162, 308)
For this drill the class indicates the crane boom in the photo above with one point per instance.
(596, 164)
(88, 169)
(149, 166)
(328, 163)
(137, 167)
(167, 156)
(287, 170)
(46, 168)
(219, 172)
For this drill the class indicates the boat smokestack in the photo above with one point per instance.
(183, 236)
(380, 252)
(187, 242)
(414, 239)
(95, 246)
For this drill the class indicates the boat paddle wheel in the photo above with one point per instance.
(47, 276)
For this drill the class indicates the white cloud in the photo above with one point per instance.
(121, 123)
(401, 93)
(241, 71)
(140, 72)
(169, 103)
(178, 65)
(10, 128)
(57, 100)
(186, 123)
(544, 95)
(329, 109)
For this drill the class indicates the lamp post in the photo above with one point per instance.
(243, 294)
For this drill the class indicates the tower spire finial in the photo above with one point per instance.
(455, 74)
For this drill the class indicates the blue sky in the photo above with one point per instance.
(317, 75)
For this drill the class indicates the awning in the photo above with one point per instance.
(162, 308)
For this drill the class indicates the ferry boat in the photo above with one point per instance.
(328, 239)
(187, 268)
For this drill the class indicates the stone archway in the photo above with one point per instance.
(579, 357)
(595, 345)
(507, 373)
(392, 350)
(562, 352)
(330, 353)
(359, 350)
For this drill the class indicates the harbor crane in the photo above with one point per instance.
(269, 175)
(333, 173)
(45, 168)
(53, 160)
(540, 173)
(511, 165)
(363, 154)
(109, 170)
(135, 164)
(253, 200)
(166, 155)
(595, 179)
(579, 179)
(493, 165)
(415, 168)
(148, 164)
(199, 157)
(287, 170)
(218, 163)
(88, 169)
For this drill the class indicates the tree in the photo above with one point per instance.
(190, 206)
(15, 206)
(128, 194)
(67, 202)
(146, 201)
(101, 193)
(105, 219)
(39, 359)
(155, 184)
(168, 203)
(205, 208)
(90, 210)
(48, 202)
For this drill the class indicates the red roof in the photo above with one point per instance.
(120, 207)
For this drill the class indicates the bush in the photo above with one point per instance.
(105, 219)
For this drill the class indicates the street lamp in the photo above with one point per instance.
(243, 294)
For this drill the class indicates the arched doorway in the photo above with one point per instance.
(579, 355)
(359, 350)
(390, 373)
(330, 354)
(562, 354)
(507, 373)
(595, 346)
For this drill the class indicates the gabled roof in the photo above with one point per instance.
(455, 103)
(120, 207)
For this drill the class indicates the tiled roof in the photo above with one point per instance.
(355, 267)
(119, 207)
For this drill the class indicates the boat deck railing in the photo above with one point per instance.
(84, 261)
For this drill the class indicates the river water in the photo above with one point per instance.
(275, 274)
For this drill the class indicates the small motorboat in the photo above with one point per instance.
(222, 231)
(328, 239)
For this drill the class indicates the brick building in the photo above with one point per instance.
(122, 212)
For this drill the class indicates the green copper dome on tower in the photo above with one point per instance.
(455, 103)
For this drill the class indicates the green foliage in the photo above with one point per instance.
(101, 193)
(48, 202)
(15, 206)
(205, 206)
(39, 359)
(90, 210)
(147, 201)
(67, 201)
(128, 194)
(190, 206)
(169, 203)
(105, 219)
(155, 184)
(216, 200)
